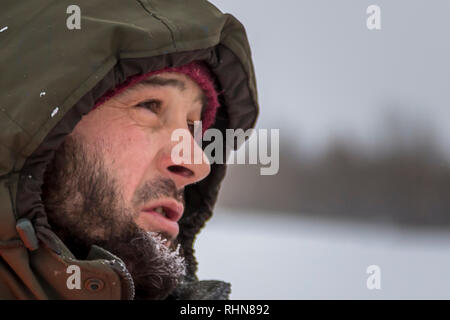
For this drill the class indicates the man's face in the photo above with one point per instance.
(113, 182)
(133, 131)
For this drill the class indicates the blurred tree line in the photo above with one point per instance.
(405, 181)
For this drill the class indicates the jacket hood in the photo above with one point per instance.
(52, 76)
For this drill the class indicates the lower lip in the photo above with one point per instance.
(162, 224)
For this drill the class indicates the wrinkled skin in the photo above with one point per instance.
(116, 163)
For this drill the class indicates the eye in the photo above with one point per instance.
(153, 105)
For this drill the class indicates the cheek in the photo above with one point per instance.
(128, 150)
(132, 154)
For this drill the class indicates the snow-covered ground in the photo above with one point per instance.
(284, 257)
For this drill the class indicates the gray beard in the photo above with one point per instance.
(84, 207)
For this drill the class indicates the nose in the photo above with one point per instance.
(191, 169)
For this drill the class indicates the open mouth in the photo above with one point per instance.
(163, 217)
(166, 213)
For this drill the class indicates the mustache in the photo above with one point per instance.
(158, 188)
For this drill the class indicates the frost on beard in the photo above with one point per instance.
(176, 263)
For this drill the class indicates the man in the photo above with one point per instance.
(93, 205)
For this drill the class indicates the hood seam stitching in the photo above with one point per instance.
(161, 21)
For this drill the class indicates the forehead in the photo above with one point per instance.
(178, 81)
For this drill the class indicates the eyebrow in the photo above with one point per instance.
(178, 84)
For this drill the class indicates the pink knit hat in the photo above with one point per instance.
(197, 71)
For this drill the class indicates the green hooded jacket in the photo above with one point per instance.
(51, 75)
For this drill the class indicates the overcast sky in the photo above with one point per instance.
(321, 72)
